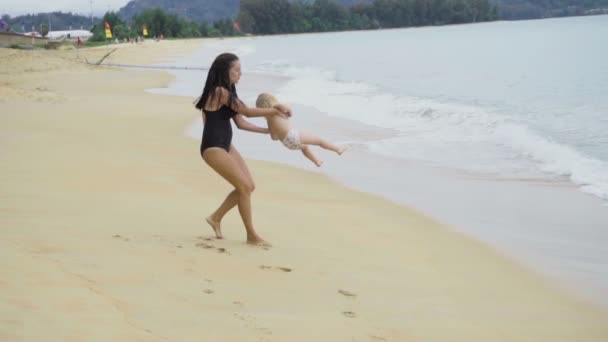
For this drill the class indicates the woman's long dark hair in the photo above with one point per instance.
(218, 76)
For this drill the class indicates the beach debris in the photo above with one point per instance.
(104, 57)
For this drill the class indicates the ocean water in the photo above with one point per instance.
(525, 99)
(497, 129)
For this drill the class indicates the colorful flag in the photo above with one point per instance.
(145, 31)
(108, 30)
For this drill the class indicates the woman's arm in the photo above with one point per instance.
(249, 112)
(283, 108)
(241, 108)
(245, 125)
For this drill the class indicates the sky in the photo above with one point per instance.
(18, 7)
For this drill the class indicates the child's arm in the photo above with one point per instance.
(245, 125)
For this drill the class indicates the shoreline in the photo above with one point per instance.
(102, 215)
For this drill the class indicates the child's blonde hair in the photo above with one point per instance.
(266, 100)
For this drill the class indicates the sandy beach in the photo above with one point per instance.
(103, 238)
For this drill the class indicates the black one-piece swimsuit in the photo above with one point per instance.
(218, 130)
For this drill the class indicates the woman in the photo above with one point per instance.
(219, 103)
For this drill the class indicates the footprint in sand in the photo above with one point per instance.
(377, 338)
(206, 245)
(284, 269)
(349, 314)
(208, 291)
(347, 293)
(208, 239)
(251, 323)
(117, 236)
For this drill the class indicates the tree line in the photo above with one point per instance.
(283, 16)
(159, 22)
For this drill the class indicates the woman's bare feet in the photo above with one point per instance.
(216, 227)
(258, 241)
(319, 163)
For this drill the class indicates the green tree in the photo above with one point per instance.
(246, 21)
(44, 30)
(282, 16)
(121, 31)
(99, 32)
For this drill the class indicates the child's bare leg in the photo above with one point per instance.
(311, 139)
(308, 153)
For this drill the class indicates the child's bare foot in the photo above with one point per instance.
(341, 150)
(216, 227)
(258, 241)
(319, 163)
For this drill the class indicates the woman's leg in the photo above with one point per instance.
(215, 219)
(232, 199)
(311, 139)
(234, 153)
(228, 167)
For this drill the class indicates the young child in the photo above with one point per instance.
(281, 129)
